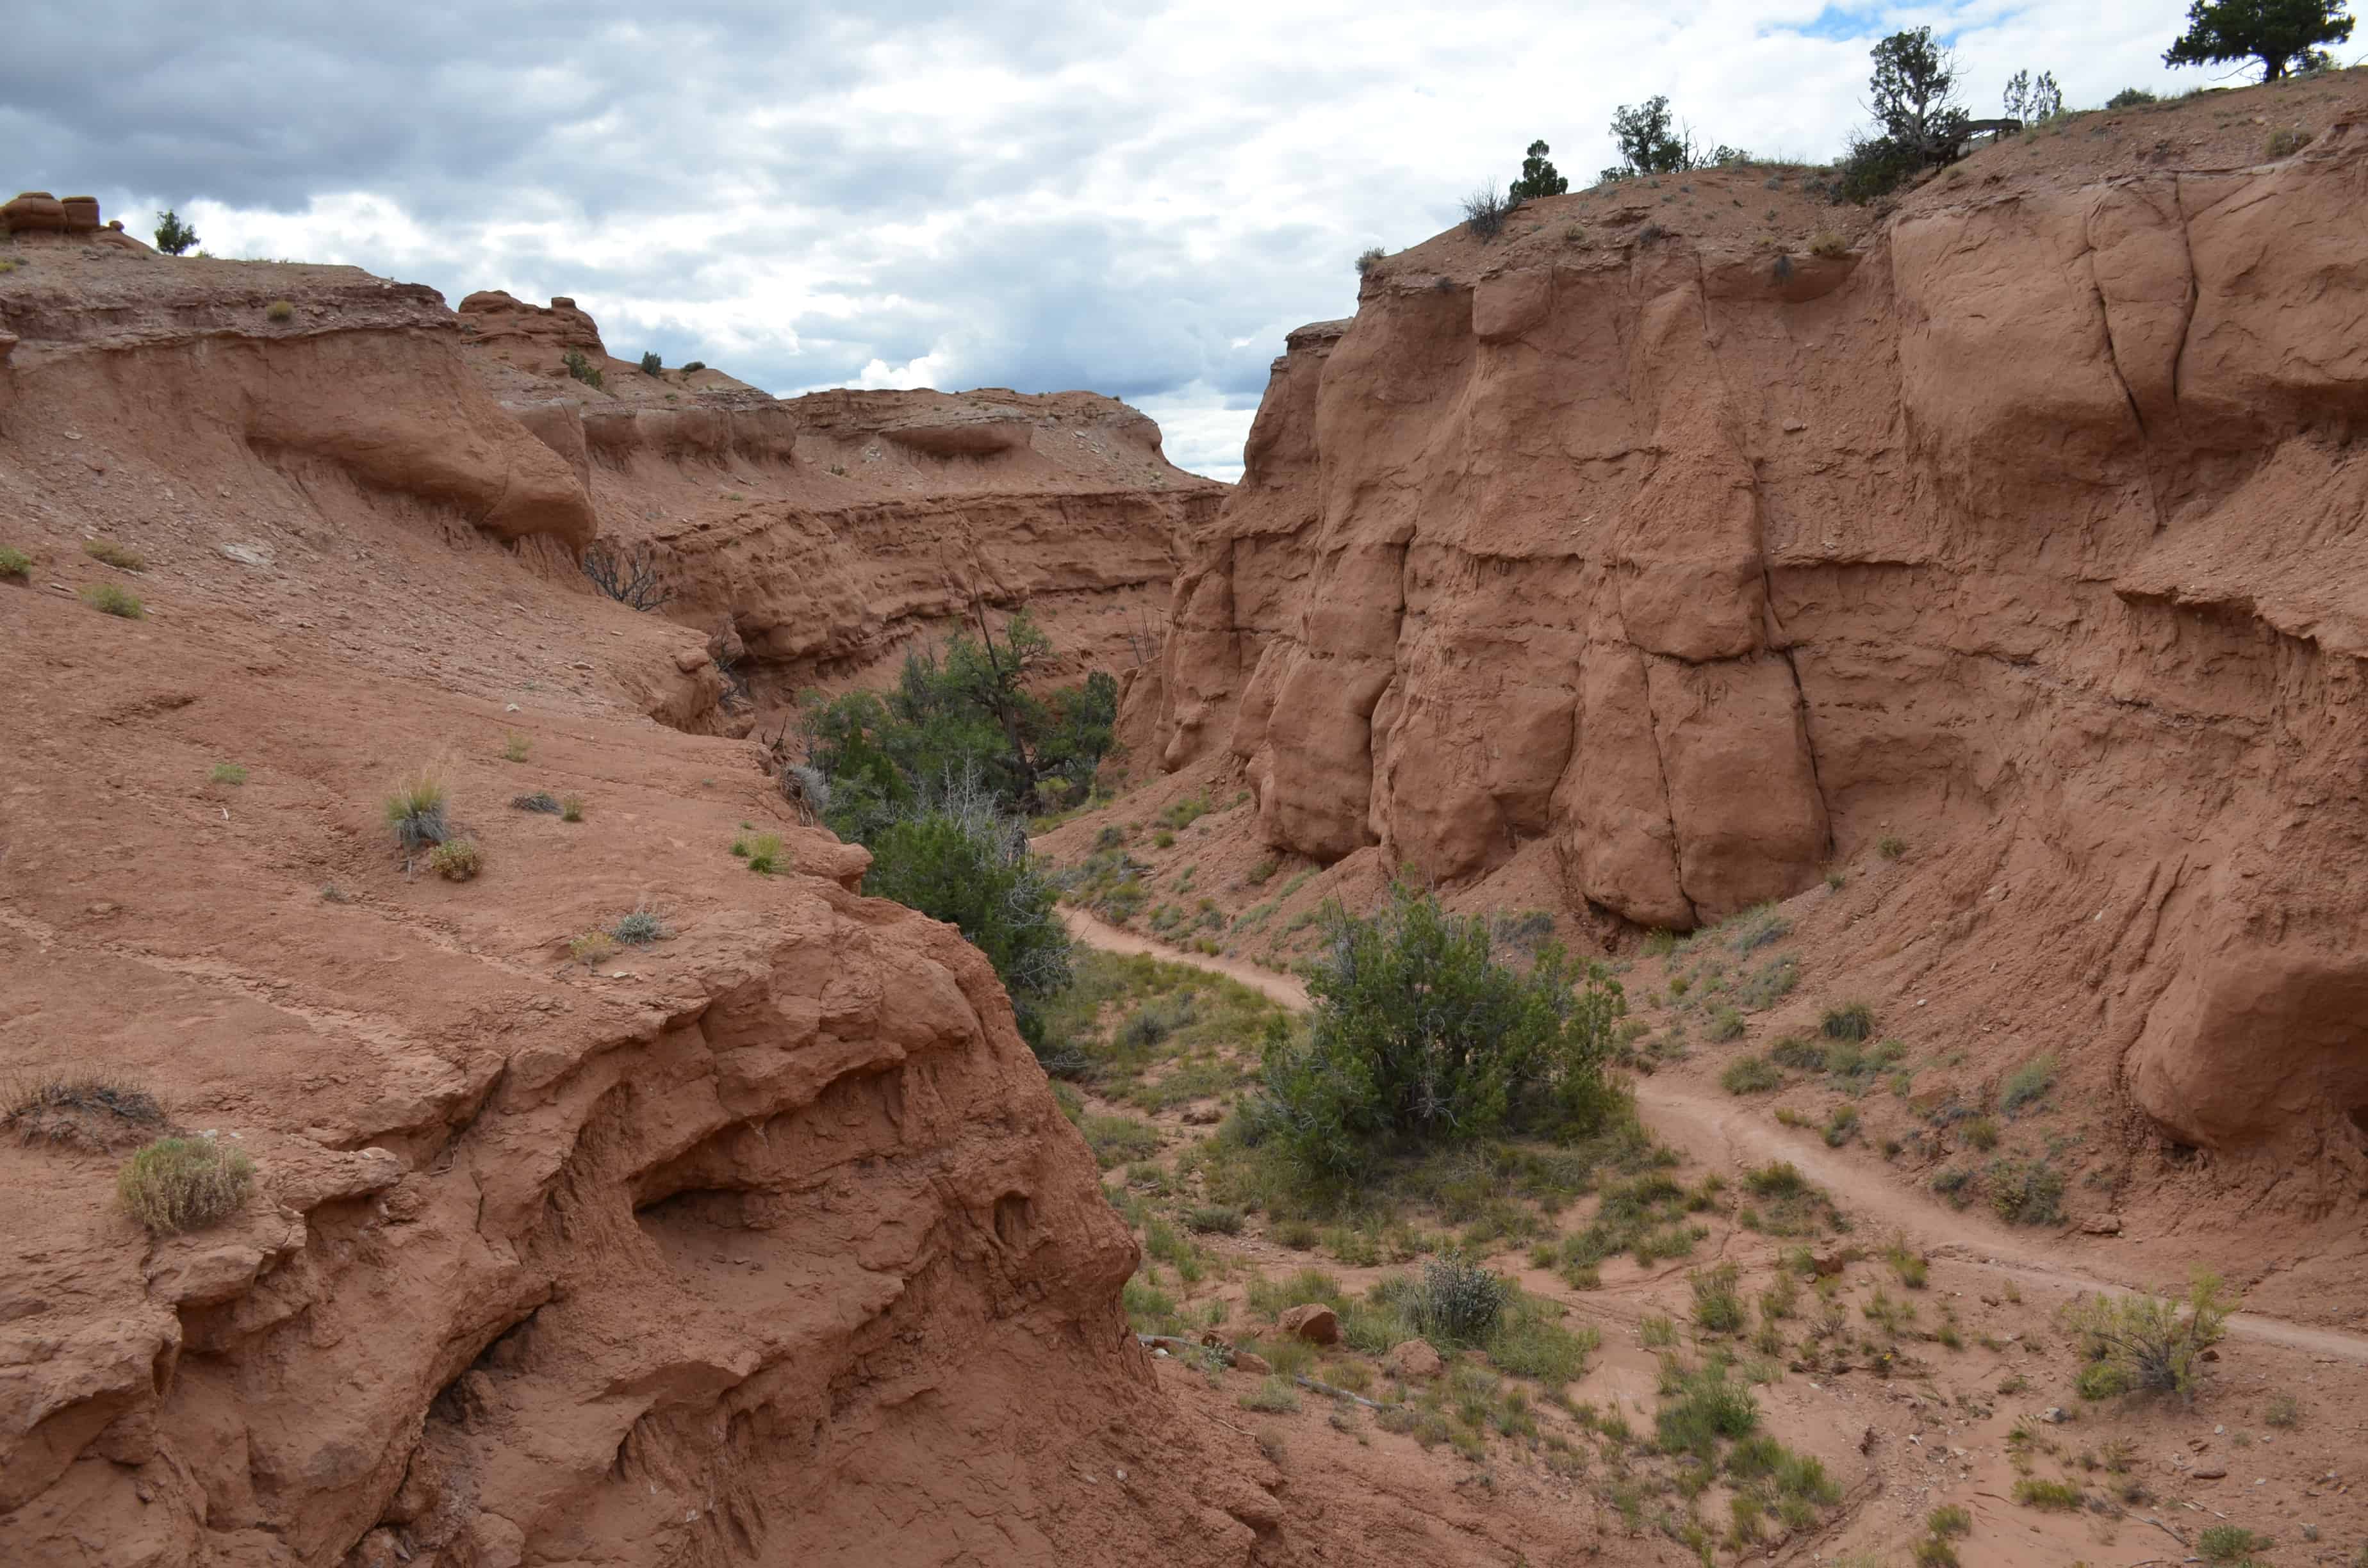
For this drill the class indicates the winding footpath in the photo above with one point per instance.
(1715, 1130)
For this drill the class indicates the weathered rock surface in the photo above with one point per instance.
(823, 535)
(764, 1242)
(2030, 530)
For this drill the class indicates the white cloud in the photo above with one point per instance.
(1045, 194)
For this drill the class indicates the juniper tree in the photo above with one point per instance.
(2283, 35)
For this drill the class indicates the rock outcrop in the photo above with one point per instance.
(2026, 527)
(823, 535)
(763, 1242)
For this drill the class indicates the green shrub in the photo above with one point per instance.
(1840, 1125)
(1750, 1076)
(2102, 1379)
(108, 600)
(581, 368)
(416, 813)
(957, 855)
(279, 310)
(1718, 1302)
(2058, 1496)
(1419, 1039)
(2026, 1192)
(1725, 1024)
(694, 367)
(2229, 1544)
(1705, 1407)
(15, 563)
(1458, 1302)
(1850, 1021)
(763, 852)
(184, 1184)
(2129, 98)
(1951, 1520)
(1981, 1133)
(455, 859)
(173, 236)
(228, 773)
(592, 948)
(1891, 847)
(1214, 1218)
(2157, 1342)
(2281, 1412)
(2027, 1084)
(651, 364)
(1801, 1055)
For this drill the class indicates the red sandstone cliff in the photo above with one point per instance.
(816, 536)
(2024, 523)
(766, 1242)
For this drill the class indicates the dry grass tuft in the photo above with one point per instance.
(79, 1108)
(184, 1184)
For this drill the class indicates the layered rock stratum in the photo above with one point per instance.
(2023, 529)
(765, 1241)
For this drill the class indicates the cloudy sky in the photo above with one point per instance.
(1137, 199)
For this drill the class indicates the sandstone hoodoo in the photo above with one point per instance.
(2022, 527)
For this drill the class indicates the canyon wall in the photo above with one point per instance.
(765, 1241)
(2026, 525)
(816, 538)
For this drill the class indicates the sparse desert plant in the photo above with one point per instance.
(694, 367)
(2281, 1412)
(184, 1184)
(2026, 1192)
(417, 813)
(1751, 1076)
(628, 576)
(1718, 1300)
(455, 859)
(592, 948)
(1850, 1021)
(1840, 1125)
(515, 747)
(541, 801)
(2027, 1084)
(651, 364)
(279, 310)
(1891, 847)
(639, 927)
(2055, 1496)
(762, 851)
(1981, 1132)
(1655, 1332)
(228, 773)
(570, 808)
(2130, 97)
(1368, 259)
(78, 1107)
(583, 369)
(2229, 1544)
(15, 563)
(1215, 1219)
(1276, 1395)
(2157, 1341)
(108, 600)
(114, 555)
(1911, 1269)
(1725, 1024)
(1458, 1302)
(1830, 244)
(1485, 210)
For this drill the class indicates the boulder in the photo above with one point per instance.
(1313, 1322)
(1414, 1359)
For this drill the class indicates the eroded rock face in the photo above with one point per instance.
(2036, 519)
(765, 1241)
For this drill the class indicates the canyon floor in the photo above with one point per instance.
(1929, 1370)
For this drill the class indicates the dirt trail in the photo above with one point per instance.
(1726, 1131)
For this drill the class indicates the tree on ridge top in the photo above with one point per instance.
(1539, 177)
(2281, 34)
